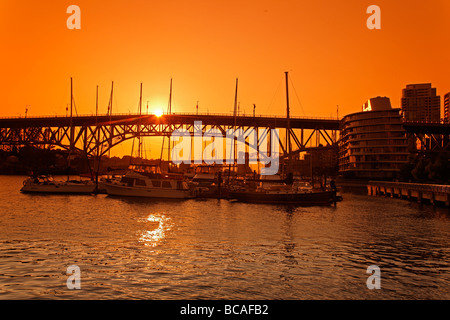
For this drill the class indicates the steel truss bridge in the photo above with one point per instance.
(428, 137)
(93, 135)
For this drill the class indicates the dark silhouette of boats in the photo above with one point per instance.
(45, 184)
(289, 192)
(287, 196)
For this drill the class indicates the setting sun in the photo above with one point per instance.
(158, 112)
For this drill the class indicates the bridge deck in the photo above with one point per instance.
(429, 128)
(206, 119)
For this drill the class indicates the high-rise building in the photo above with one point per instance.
(421, 103)
(447, 108)
(373, 142)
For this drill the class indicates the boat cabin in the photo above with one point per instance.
(144, 181)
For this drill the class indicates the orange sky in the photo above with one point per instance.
(332, 57)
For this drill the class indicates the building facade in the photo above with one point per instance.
(421, 103)
(373, 143)
(447, 108)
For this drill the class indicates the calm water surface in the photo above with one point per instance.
(217, 249)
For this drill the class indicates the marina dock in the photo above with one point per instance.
(422, 193)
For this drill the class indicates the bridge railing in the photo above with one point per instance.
(424, 122)
(242, 115)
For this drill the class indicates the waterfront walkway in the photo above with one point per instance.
(432, 193)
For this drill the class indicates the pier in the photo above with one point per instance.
(429, 193)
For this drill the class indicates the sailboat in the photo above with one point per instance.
(47, 184)
(147, 181)
(286, 193)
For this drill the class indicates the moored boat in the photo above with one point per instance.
(208, 180)
(46, 184)
(289, 192)
(284, 196)
(149, 185)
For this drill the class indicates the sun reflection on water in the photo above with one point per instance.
(157, 226)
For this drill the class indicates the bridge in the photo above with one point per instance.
(96, 135)
(93, 135)
(430, 137)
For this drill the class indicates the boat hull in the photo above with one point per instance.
(297, 198)
(126, 191)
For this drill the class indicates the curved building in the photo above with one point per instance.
(373, 143)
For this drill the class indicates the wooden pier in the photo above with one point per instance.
(422, 193)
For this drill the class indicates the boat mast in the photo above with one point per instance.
(111, 128)
(98, 140)
(233, 149)
(139, 126)
(288, 128)
(170, 97)
(170, 112)
(235, 103)
(71, 128)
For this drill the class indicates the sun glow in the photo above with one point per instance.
(158, 112)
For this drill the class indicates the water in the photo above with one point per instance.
(217, 249)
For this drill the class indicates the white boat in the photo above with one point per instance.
(46, 184)
(149, 185)
(147, 181)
